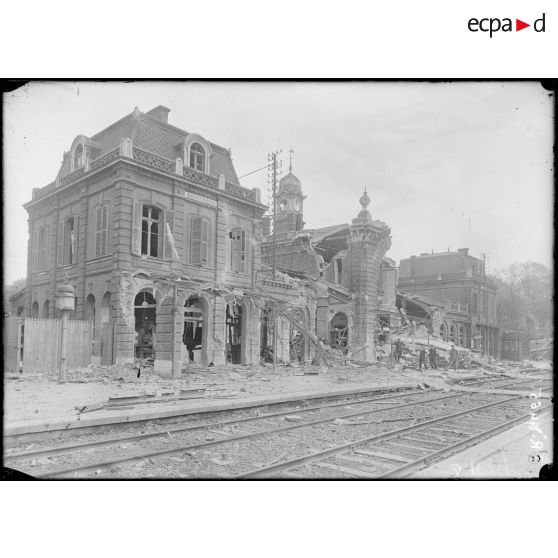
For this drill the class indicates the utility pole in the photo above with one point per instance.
(485, 296)
(274, 170)
(274, 167)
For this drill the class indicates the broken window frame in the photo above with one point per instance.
(339, 335)
(193, 319)
(233, 332)
(141, 348)
(238, 261)
(67, 241)
(150, 240)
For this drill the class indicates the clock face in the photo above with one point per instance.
(283, 205)
(297, 205)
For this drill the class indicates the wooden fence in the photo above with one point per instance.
(41, 344)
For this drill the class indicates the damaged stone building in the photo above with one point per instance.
(150, 225)
(343, 265)
(454, 289)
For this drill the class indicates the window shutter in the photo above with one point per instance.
(99, 231)
(169, 238)
(60, 245)
(196, 240)
(136, 228)
(204, 244)
(243, 252)
(162, 239)
(76, 239)
(35, 250)
(104, 234)
(46, 249)
(235, 249)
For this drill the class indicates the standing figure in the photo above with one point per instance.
(422, 358)
(453, 357)
(432, 357)
(398, 349)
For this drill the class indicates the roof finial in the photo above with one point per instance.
(291, 151)
(364, 200)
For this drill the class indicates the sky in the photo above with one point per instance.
(447, 165)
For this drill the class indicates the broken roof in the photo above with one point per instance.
(328, 241)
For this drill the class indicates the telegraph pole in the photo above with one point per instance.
(274, 170)
(486, 344)
(273, 167)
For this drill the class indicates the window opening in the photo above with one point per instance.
(266, 334)
(145, 311)
(69, 246)
(199, 241)
(338, 332)
(192, 336)
(78, 156)
(234, 332)
(150, 231)
(197, 157)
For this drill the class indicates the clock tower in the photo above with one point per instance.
(290, 201)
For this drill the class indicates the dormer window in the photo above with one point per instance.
(78, 156)
(197, 157)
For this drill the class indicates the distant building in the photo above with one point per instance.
(531, 340)
(458, 282)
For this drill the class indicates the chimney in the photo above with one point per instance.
(464, 251)
(160, 113)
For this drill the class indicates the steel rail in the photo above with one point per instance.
(61, 450)
(297, 461)
(463, 444)
(25, 455)
(204, 445)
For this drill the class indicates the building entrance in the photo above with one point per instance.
(192, 335)
(145, 311)
(234, 333)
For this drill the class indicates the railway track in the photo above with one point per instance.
(400, 452)
(82, 458)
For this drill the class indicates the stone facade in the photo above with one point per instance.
(144, 220)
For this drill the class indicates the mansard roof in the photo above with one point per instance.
(158, 137)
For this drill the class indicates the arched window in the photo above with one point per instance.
(35, 310)
(105, 308)
(145, 312)
(78, 156)
(46, 309)
(197, 157)
(453, 333)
